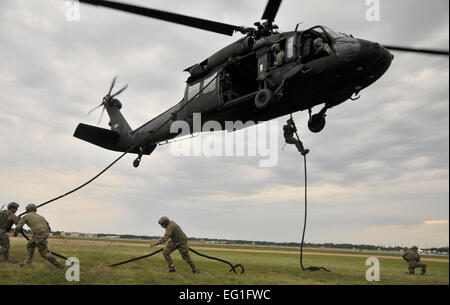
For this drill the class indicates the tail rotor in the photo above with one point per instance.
(108, 99)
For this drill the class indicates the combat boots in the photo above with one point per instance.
(196, 271)
(59, 265)
(171, 269)
(305, 152)
(25, 264)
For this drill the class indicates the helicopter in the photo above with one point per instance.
(244, 82)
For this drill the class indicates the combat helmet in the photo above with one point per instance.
(31, 207)
(13, 205)
(163, 219)
(414, 248)
(275, 48)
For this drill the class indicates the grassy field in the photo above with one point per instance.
(251, 247)
(260, 268)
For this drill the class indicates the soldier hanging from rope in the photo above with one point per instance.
(288, 130)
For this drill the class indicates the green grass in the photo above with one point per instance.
(260, 268)
(261, 247)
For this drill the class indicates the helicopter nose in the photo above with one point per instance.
(371, 62)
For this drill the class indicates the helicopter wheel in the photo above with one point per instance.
(263, 98)
(136, 162)
(317, 122)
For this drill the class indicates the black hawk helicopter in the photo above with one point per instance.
(245, 82)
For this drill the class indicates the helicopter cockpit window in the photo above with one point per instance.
(315, 44)
(193, 90)
(334, 34)
(290, 47)
(212, 83)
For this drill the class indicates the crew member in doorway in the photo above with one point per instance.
(278, 54)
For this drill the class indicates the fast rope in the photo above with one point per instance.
(136, 258)
(233, 267)
(311, 268)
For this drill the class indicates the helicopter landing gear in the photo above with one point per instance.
(263, 98)
(316, 121)
(137, 161)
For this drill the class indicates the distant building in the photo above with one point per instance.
(112, 236)
(78, 235)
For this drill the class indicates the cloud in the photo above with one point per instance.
(436, 222)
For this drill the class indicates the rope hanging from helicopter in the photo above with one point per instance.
(311, 268)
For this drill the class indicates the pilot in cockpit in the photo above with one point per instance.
(321, 48)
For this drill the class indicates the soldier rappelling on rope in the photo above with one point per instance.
(288, 130)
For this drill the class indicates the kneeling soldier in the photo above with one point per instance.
(7, 219)
(412, 257)
(177, 240)
(41, 229)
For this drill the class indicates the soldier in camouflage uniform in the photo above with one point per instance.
(177, 240)
(7, 219)
(412, 257)
(288, 130)
(278, 54)
(321, 48)
(41, 229)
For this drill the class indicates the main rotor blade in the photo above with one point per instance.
(120, 91)
(212, 26)
(415, 50)
(271, 10)
(112, 85)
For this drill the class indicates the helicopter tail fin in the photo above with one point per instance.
(98, 136)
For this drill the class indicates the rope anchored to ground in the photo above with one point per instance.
(233, 267)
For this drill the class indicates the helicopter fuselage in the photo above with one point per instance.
(224, 86)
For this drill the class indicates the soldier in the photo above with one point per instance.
(41, 229)
(289, 129)
(7, 219)
(278, 54)
(177, 240)
(412, 257)
(321, 48)
(227, 88)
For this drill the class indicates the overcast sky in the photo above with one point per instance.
(378, 173)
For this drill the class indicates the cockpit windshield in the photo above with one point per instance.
(334, 34)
